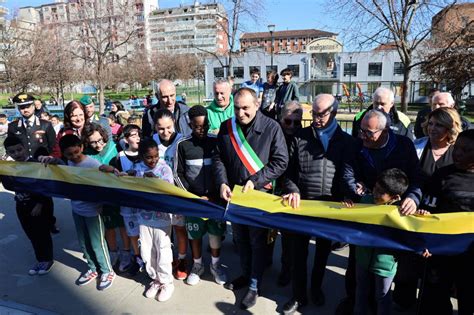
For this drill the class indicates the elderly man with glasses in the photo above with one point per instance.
(384, 100)
(380, 149)
(317, 157)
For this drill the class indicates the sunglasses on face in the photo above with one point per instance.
(323, 114)
(369, 133)
(289, 122)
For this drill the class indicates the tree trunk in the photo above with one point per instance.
(404, 96)
(101, 97)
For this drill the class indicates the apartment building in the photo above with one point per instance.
(71, 17)
(192, 29)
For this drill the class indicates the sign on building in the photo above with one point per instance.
(324, 45)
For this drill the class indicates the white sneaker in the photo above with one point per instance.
(219, 274)
(166, 291)
(34, 269)
(45, 267)
(153, 289)
(106, 280)
(195, 274)
(125, 260)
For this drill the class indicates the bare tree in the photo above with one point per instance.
(20, 55)
(406, 24)
(105, 33)
(239, 14)
(136, 69)
(57, 70)
(173, 67)
(450, 60)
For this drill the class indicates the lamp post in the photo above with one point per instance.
(271, 29)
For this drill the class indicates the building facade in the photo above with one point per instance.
(189, 29)
(293, 41)
(325, 68)
(453, 20)
(75, 18)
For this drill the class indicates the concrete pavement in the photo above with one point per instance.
(56, 292)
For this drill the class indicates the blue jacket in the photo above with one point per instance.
(400, 154)
(181, 119)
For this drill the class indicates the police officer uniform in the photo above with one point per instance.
(37, 135)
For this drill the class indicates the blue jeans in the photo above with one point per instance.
(382, 292)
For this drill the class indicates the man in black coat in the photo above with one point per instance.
(317, 157)
(167, 99)
(37, 135)
(265, 138)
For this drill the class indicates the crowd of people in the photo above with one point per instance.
(253, 137)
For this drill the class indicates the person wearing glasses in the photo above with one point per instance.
(380, 149)
(384, 100)
(36, 135)
(317, 157)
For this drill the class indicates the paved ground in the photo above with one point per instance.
(56, 293)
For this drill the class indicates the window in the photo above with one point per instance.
(251, 68)
(372, 86)
(270, 68)
(396, 88)
(375, 69)
(295, 69)
(350, 69)
(424, 88)
(397, 68)
(238, 72)
(218, 72)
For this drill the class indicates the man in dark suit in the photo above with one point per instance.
(37, 135)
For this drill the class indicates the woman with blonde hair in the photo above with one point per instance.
(435, 150)
(441, 128)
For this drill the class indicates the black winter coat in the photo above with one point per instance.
(38, 139)
(266, 139)
(314, 173)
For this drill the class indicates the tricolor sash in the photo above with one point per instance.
(246, 154)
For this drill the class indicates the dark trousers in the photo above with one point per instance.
(441, 273)
(409, 270)
(286, 252)
(252, 246)
(37, 228)
(299, 271)
(350, 278)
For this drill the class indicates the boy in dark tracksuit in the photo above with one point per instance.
(34, 212)
(451, 190)
(193, 173)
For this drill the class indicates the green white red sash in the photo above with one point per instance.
(245, 152)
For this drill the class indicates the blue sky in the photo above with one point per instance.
(285, 14)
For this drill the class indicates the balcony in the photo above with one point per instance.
(3, 11)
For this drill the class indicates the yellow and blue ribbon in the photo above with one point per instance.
(366, 225)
